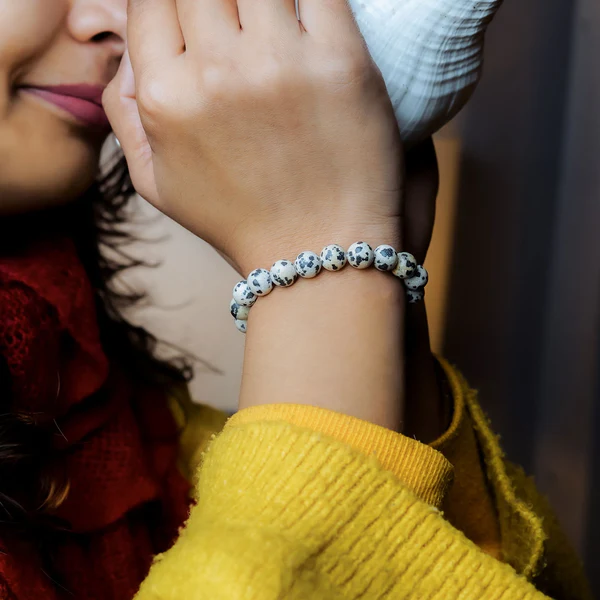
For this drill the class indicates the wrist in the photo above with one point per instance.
(334, 342)
(289, 241)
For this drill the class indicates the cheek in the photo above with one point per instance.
(26, 28)
(41, 160)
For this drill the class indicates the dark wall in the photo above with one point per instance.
(592, 541)
(566, 464)
(512, 136)
(525, 284)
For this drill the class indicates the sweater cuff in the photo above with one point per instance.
(425, 471)
(285, 512)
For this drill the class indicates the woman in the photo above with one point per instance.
(266, 138)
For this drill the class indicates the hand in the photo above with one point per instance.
(261, 135)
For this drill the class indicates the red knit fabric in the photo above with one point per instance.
(119, 442)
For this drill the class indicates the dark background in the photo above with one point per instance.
(524, 307)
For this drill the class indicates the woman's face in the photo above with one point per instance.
(56, 57)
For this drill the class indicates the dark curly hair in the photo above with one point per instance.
(30, 484)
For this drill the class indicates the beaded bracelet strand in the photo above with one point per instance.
(307, 265)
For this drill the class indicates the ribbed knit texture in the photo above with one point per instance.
(284, 512)
(421, 469)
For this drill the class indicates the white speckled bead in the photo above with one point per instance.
(283, 273)
(243, 295)
(406, 267)
(333, 257)
(308, 264)
(260, 282)
(360, 255)
(238, 311)
(241, 325)
(386, 258)
(415, 296)
(417, 281)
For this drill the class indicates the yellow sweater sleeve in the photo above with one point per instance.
(284, 512)
(468, 503)
(489, 500)
(421, 469)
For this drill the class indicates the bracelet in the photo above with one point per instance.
(307, 265)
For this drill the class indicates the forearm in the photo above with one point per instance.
(335, 342)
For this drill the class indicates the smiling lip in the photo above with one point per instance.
(84, 102)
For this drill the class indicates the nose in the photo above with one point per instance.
(100, 21)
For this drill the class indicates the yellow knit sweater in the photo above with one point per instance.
(302, 503)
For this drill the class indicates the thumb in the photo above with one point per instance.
(121, 108)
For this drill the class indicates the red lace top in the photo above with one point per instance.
(127, 498)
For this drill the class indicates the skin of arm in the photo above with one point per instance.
(335, 342)
(330, 312)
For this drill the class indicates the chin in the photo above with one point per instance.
(44, 161)
(31, 196)
(52, 183)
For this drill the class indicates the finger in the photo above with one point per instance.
(420, 194)
(208, 24)
(278, 15)
(327, 19)
(153, 33)
(121, 109)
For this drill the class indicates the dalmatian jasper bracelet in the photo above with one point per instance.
(307, 265)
